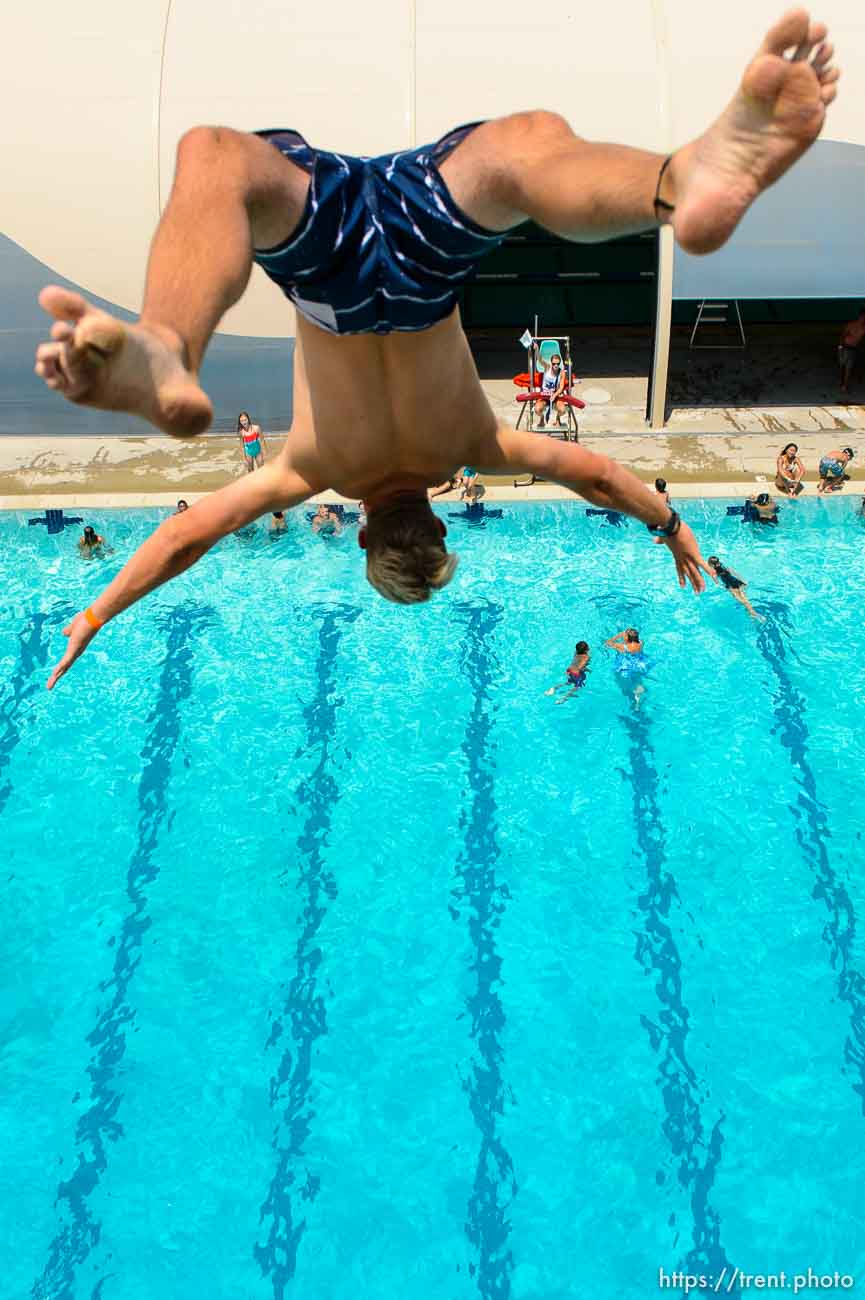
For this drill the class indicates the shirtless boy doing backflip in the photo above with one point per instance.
(371, 252)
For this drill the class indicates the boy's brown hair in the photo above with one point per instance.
(406, 558)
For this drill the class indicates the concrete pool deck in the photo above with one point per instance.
(103, 472)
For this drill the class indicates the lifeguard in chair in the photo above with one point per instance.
(553, 388)
(548, 380)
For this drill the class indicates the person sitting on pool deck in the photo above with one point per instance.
(450, 485)
(789, 471)
(552, 386)
(734, 584)
(386, 395)
(761, 509)
(575, 673)
(833, 469)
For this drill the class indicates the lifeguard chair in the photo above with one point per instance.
(539, 349)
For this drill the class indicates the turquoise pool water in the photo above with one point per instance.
(341, 962)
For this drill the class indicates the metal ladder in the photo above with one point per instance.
(725, 318)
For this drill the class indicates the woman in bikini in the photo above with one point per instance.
(251, 442)
(790, 472)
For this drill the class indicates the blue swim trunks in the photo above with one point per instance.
(632, 665)
(381, 245)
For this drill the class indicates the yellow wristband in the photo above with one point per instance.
(92, 619)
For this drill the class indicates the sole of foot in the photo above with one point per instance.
(93, 359)
(775, 116)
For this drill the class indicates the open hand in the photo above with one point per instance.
(79, 634)
(689, 561)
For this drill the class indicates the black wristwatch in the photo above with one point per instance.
(669, 529)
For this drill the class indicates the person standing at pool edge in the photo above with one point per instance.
(387, 400)
(251, 442)
(852, 336)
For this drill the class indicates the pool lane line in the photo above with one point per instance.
(303, 1016)
(477, 892)
(79, 1231)
(33, 647)
(812, 835)
(696, 1153)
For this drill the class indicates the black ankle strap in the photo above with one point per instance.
(658, 201)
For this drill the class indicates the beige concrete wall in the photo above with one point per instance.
(78, 136)
(97, 96)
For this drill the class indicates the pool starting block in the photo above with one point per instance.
(55, 520)
(612, 516)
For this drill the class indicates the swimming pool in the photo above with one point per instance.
(341, 962)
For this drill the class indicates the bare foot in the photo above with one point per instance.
(95, 360)
(776, 115)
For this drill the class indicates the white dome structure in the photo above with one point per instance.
(98, 96)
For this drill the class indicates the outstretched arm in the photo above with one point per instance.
(600, 480)
(178, 542)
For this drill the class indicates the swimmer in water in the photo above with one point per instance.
(326, 521)
(386, 394)
(277, 522)
(763, 510)
(181, 506)
(575, 673)
(91, 543)
(633, 665)
(734, 584)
